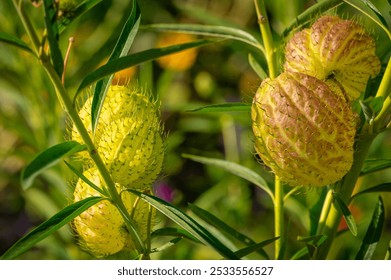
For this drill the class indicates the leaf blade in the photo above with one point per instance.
(121, 63)
(386, 187)
(351, 223)
(373, 233)
(373, 165)
(48, 227)
(224, 107)
(235, 169)
(48, 158)
(187, 223)
(121, 49)
(14, 41)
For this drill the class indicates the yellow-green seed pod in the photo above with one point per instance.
(304, 131)
(101, 227)
(128, 136)
(334, 49)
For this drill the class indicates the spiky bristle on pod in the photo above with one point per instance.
(304, 131)
(128, 136)
(101, 227)
(333, 48)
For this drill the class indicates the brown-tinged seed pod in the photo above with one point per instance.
(333, 48)
(304, 131)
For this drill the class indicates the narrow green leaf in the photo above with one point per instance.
(311, 13)
(388, 254)
(254, 248)
(222, 226)
(235, 169)
(48, 227)
(374, 165)
(225, 107)
(166, 245)
(312, 244)
(300, 254)
(121, 63)
(224, 32)
(346, 214)
(86, 180)
(370, 13)
(80, 10)
(386, 187)
(376, 11)
(178, 232)
(373, 233)
(14, 41)
(46, 159)
(53, 36)
(257, 67)
(121, 49)
(187, 223)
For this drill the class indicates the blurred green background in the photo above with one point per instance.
(31, 120)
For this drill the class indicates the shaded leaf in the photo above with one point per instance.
(48, 227)
(370, 13)
(349, 219)
(254, 248)
(388, 254)
(178, 232)
(187, 223)
(376, 11)
(235, 169)
(311, 13)
(386, 187)
(53, 36)
(121, 63)
(373, 233)
(373, 165)
(312, 244)
(257, 67)
(225, 107)
(48, 158)
(121, 49)
(300, 254)
(222, 226)
(80, 10)
(6, 38)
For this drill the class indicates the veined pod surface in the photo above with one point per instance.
(335, 49)
(128, 136)
(101, 227)
(304, 130)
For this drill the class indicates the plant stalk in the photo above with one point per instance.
(279, 218)
(329, 227)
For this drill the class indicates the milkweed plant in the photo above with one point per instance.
(312, 182)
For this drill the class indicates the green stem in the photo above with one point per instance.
(270, 50)
(279, 217)
(381, 120)
(67, 104)
(325, 211)
(330, 226)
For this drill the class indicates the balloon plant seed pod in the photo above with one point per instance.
(101, 228)
(128, 136)
(335, 49)
(304, 129)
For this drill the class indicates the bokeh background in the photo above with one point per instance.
(32, 120)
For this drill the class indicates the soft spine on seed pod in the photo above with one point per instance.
(302, 120)
(129, 138)
(334, 49)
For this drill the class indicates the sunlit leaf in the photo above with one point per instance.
(187, 223)
(257, 67)
(349, 219)
(235, 169)
(225, 107)
(166, 245)
(46, 159)
(121, 63)
(6, 38)
(373, 233)
(178, 232)
(121, 49)
(48, 227)
(53, 36)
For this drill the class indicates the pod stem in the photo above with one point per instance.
(279, 218)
